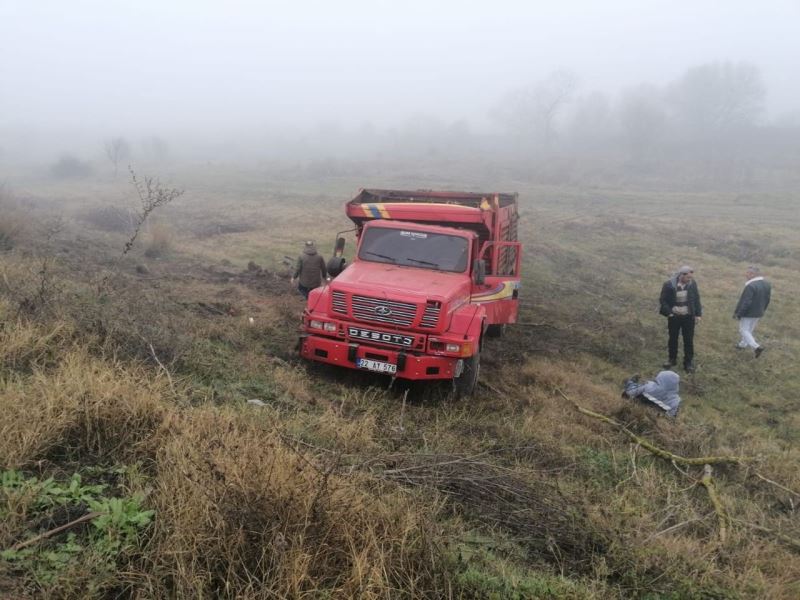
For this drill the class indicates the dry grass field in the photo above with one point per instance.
(218, 464)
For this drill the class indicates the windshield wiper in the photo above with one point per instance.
(423, 262)
(394, 260)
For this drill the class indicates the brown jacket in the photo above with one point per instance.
(310, 269)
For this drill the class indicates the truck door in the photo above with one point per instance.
(500, 290)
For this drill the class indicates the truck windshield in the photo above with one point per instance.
(420, 249)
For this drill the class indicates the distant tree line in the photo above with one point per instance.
(708, 124)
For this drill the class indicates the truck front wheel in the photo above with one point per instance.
(464, 384)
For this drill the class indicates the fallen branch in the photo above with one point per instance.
(491, 388)
(160, 364)
(430, 466)
(775, 483)
(47, 534)
(722, 515)
(789, 541)
(653, 449)
(680, 525)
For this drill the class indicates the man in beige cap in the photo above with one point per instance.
(310, 269)
(680, 303)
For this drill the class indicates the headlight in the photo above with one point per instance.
(329, 327)
(315, 324)
(459, 349)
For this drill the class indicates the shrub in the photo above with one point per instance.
(12, 221)
(69, 167)
(11, 227)
(160, 242)
(109, 218)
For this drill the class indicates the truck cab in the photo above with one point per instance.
(430, 280)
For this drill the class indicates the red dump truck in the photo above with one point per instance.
(434, 274)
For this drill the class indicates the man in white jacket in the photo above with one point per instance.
(751, 307)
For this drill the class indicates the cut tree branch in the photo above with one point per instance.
(789, 541)
(47, 534)
(653, 449)
(722, 515)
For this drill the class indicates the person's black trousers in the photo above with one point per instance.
(681, 325)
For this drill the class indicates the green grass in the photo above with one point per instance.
(95, 549)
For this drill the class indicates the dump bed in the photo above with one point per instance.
(492, 215)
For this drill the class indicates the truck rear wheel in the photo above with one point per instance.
(464, 384)
(496, 331)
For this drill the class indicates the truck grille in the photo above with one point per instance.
(339, 303)
(379, 310)
(431, 316)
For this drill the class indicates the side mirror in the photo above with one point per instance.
(338, 249)
(479, 271)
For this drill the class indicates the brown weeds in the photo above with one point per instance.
(240, 513)
(240, 510)
(160, 241)
(12, 227)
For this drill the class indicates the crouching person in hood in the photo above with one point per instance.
(662, 392)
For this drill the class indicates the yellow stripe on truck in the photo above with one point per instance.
(506, 292)
(375, 211)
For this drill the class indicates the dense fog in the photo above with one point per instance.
(693, 87)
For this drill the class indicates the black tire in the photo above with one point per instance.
(496, 331)
(335, 265)
(465, 383)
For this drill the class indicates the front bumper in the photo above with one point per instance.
(345, 354)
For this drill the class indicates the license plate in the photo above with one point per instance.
(377, 366)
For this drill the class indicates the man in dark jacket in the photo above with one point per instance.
(751, 307)
(310, 269)
(680, 303)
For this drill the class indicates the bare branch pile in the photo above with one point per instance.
(539, 515)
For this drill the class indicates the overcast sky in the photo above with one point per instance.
(180, 65)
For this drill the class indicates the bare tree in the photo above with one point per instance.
(44, 295)
(155, 148)
(643, 120)
(117, 149)
(152, 195)
(718, 97)
(592, 124)
(717, 108)
(530, 112)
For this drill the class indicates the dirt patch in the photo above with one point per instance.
(746, 250)
(213, 229)
(213, 309)
(255, 277)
